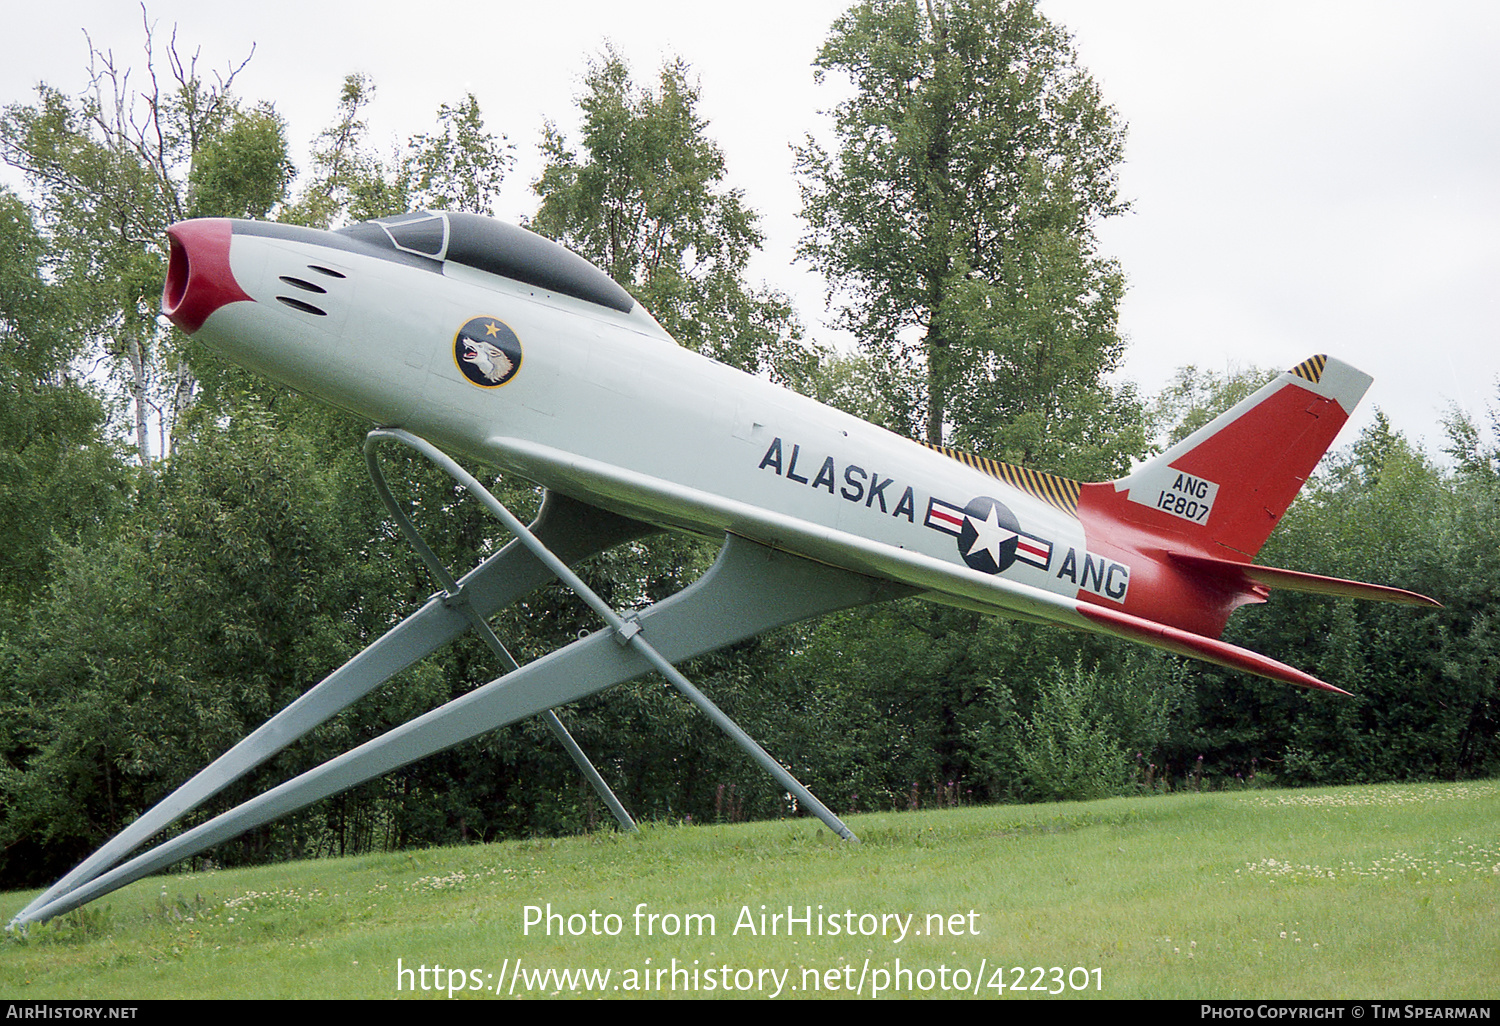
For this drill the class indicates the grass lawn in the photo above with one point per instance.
(1388, 892)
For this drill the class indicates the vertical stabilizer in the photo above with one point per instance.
(1222, 490)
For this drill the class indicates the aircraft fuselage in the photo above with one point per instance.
(602, 405)
(495, 344)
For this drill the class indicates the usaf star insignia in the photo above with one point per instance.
(990, 538)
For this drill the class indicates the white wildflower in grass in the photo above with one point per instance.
(1444, 861)
(1354, 797)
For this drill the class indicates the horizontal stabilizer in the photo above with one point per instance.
(1295, 580)
(1211, 650)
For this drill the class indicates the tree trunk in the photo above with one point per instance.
(142, 404)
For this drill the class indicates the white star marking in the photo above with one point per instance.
(989, 535)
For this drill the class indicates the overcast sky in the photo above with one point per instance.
(1305, 176)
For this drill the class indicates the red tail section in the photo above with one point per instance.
(1223, 489)
(1218, 494)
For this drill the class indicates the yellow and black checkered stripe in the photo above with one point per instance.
(1058, 492)
(1311, 368)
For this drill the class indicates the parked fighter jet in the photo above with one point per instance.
(460, 334)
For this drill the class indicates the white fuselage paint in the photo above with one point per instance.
(608, 409)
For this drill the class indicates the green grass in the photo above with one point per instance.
(1372, 892)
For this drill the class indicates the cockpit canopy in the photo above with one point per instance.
(493, 246)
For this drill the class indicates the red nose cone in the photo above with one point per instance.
(199, 280)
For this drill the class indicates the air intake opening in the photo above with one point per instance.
(178, 270)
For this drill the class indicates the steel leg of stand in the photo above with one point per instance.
(750, 589)
(454, 595)
(628, 631)
(571, 527)
(804, 797)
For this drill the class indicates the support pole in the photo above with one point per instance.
(454, 597)
(627, 632)
(570, 527)
(749, 589)
(805, 798)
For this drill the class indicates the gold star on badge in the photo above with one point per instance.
(492, 329)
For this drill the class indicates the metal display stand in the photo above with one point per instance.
(748, 590)
(454, 596)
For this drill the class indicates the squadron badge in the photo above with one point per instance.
(487, 352)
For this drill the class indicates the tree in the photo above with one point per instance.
(344, 175)
(131, 656)
(110, 169)
(954, 222)
(229, 592)
(58, 480)
(957, 220)
(645, 200)
(460, 166)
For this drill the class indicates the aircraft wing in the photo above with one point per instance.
(587, 480)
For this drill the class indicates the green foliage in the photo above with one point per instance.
(226, 595)
(907, 702)
(957, 217)
(1068, 750)
(458, 166)
(643, 197)
(1466, 444)
(346, 180)
(242, 170)
(1091, 728)
(59, 482)
(845, 381)
(109, 170)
